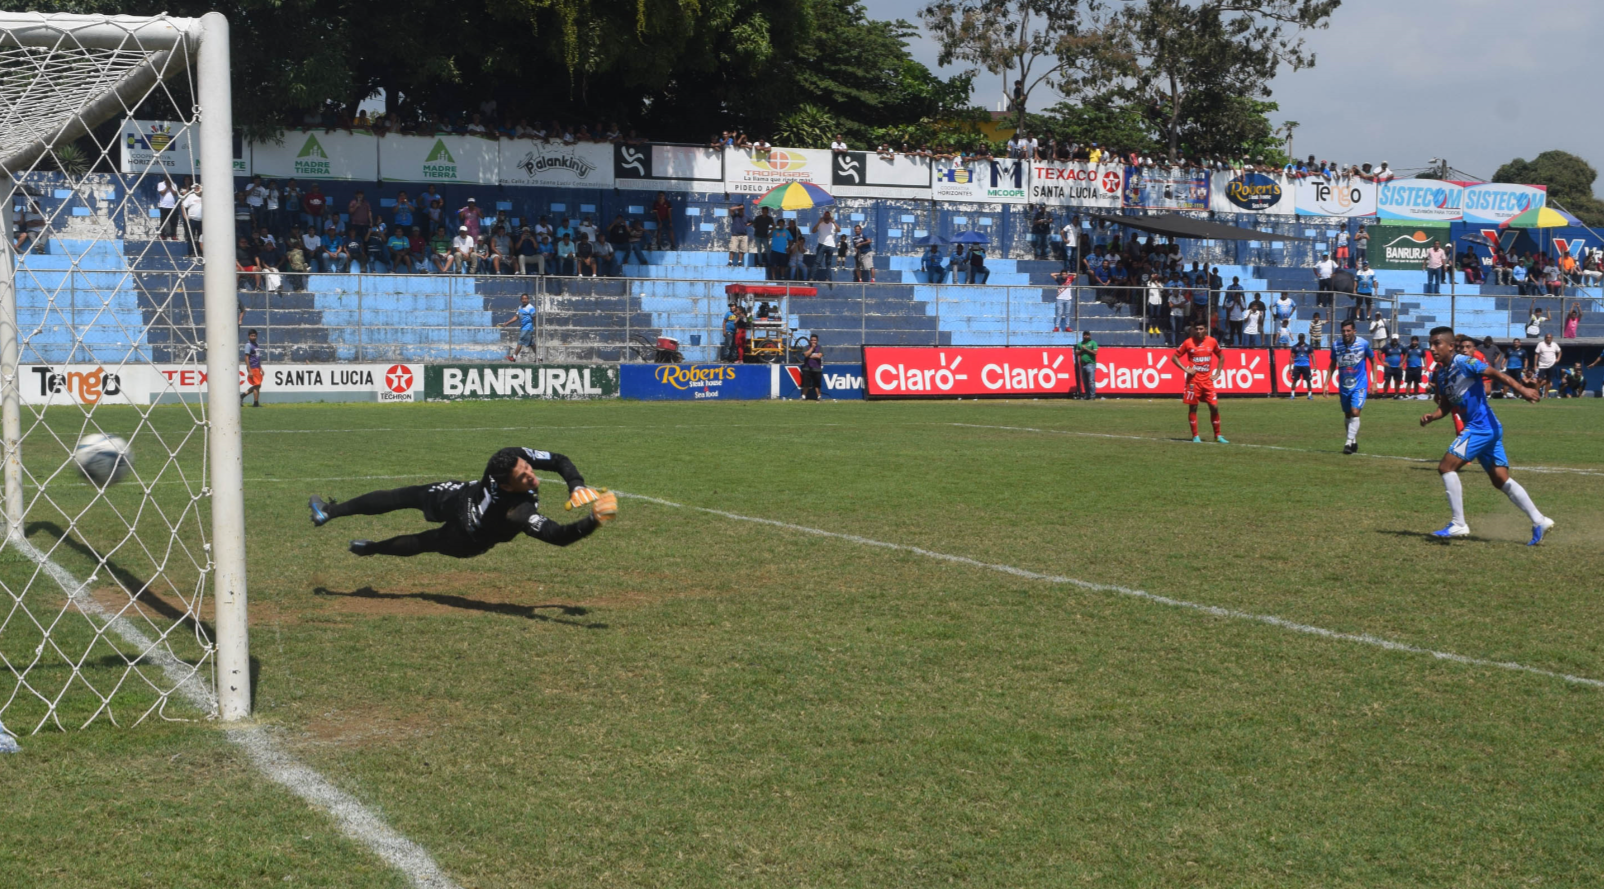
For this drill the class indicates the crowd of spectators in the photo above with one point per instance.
(485, 123)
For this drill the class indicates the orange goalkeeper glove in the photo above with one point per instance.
(581, 496)
(605, 508)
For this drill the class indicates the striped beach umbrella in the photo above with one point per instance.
(795, 196)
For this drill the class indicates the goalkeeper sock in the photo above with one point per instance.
(1192, 418)
(1353, 430)
(1523, 501)
(1456, 496)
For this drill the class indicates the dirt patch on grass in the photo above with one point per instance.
(367, 726)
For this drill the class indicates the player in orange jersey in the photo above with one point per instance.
(1198, 356)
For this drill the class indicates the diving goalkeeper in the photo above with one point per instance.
(478, 515)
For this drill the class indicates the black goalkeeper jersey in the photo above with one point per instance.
(487, 512)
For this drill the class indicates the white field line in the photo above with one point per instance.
(1263, 447)
(647, 427)
(1142, 595)
(355, 820)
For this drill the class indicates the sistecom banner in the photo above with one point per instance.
(1036, 371)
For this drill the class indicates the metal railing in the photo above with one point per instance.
(376, 317)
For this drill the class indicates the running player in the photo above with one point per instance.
(478, 515)
(1457, 380)
(1351, 374)
(525, 319)
(253, 371)
(1392, 355)
(1414, 364)
(1197, 357)
(1302, 369)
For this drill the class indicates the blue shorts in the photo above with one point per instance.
(526, 338)
(1483, 445)
(1353, 399)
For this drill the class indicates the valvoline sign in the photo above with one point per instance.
(1428, 200)
(840, 381)
(1253, 191)
(1494, 203)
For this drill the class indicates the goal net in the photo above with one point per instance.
(117, 318)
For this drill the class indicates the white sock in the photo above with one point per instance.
(1353, 429)
(1456, 496)
(1522, 500)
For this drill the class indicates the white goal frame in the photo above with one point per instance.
(170, 43)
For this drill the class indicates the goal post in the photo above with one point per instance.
(103, 589)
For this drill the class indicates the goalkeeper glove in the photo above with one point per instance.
(606, 508)
(581, 496)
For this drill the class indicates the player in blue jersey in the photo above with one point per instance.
(1457, 381)
(525, 319)
(1351, 360)
(1302, 368)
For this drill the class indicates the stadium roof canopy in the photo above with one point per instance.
(1176, 226)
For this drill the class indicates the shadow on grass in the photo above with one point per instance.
(139, 589)
(528, 612)
(1428, 536)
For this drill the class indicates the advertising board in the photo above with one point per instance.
(1421, 200)
(1078, 185)
(315, 155)
(698, 382)
(1155, 188)
(865, 174)
(459, 382)
(527, 162)
(841, 381)
(1035, 371)
(1341, 196)
(449, 160)
(1251, 193)
(754, 172)
(668, 168)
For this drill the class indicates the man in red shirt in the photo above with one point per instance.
(1197, 357)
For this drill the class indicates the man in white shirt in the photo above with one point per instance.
(167, 202)
(462, 250)
(1323, 270)
(192, 217)
(1549, 370)
(1384, 174)
(838, 144)
(1378, 331)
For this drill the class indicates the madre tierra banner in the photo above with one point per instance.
(471, 160)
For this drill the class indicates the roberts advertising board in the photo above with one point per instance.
(459, 382)
(1347, 196)
(527, 162)
(865, 174)
(1268, 193)
(317, 155)
(668, 167)
(1076, 185)
(698, 382)
(1034, 372)
(747, 171)
(1421, 200)
(449, 160)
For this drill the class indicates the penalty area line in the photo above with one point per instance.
(1144, 596)
(356, 821)
(1262, 447)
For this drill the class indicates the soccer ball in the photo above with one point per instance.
(103, 459)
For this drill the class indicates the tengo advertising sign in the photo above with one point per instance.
(1033, 371)
(456, 382)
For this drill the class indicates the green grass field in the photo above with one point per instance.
(690, 700)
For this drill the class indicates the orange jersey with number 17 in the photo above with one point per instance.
(1205, 356)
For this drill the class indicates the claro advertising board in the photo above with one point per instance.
(1034, 371)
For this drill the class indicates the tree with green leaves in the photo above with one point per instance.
(1030, 41)
(1198, 71)
(1569, 180)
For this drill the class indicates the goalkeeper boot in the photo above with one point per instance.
(1197, 439)
(1220, 439)
(320, 514)
(362, 547)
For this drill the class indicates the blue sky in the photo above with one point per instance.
(1476, 81)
